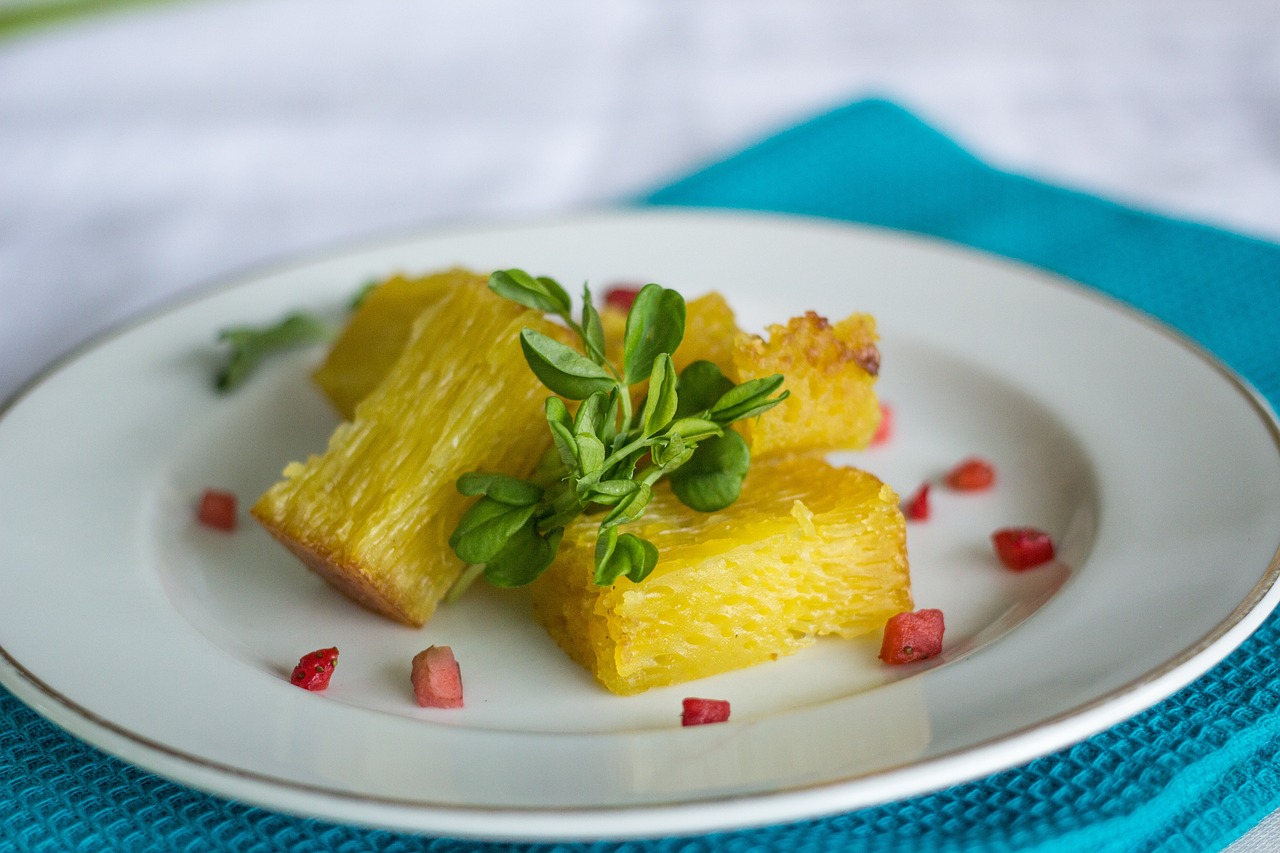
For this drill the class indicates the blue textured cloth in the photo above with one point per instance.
(1191, 774)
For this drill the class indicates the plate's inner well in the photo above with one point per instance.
(257, 603)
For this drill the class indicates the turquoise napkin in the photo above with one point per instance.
(1192, 773)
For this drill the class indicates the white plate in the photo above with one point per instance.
(1156, 471)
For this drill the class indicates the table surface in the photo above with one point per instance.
(156, 148)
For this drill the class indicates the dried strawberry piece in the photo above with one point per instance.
(621, 297)
(699, 712)
(912, 636)
(884, 429)
(971, 475)
(1021, 548)
(217, 510)
(437, 678)
(315, 669)
(917, 508)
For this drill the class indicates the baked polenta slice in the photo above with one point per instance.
(830, 370)
(808, 550)
(372, 515)
(377, 332)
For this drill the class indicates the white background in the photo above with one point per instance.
(150, 151)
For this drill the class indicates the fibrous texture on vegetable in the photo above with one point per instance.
(808, 549)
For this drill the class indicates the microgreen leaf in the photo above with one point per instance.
(629, 508)
(625, 554)
(610, 492)
(609, 423)
(606, 544)
(501, 487)
(540, 294)
(364, 293)
(700, 386)
(550, 468)
(563, 369)
(591, 414)
(485, 529)
(591, 454)
(643, 554)
(660, 406)
(250, 344)
(671, 454)
(655, 324)
(748, 399)
(527, 554)
(712, 478)
(592, 328)
(561, 426)
(694, 429)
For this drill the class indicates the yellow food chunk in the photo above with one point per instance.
(830, 372)
(710, 331)
(373, 513)
(375, 335)
(807, 550)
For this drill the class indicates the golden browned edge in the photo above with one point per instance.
(1257, 594)
(351, 580)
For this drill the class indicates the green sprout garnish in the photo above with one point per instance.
(606, 457)
(251, 344)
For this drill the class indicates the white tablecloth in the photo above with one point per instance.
(149, 151)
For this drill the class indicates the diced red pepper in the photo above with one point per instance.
(699, 712)
(437, 678)
(1021, 548)
(621, 297)
(884, 429)
(971, 475)
(315, 669)
(217, 510)
(917, 508)
(912, 636)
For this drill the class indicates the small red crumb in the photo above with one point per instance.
(912, 636)
(884, 430)
(971, 475)
(315, 669)
(621, 297)
(1021, 548)
(698, 712)
(437, 678)
(217, 510)
(917, 508)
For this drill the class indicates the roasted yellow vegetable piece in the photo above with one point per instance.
(710, 331)
(831, 372)
(808, 549)
(373, 514)
(375, 335)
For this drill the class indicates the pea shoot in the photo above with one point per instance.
(249, 345)
(607, 456)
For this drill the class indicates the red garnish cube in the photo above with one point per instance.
(917, 508)
(217, 510)
(699, 712)
(884, 429)
(1021, 548)
(621, 297)
(315, 669)
(437, 678)
(971, 475)
(912, 636)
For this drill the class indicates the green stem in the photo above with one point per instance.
(463, 583)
